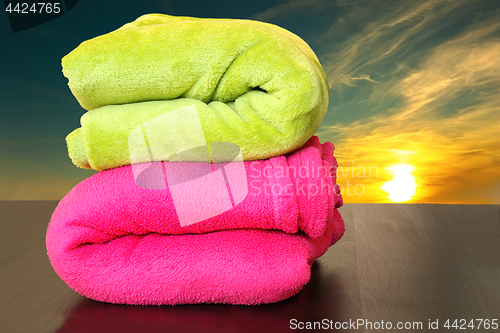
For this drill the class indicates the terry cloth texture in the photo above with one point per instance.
(252, 83)
(115, 241)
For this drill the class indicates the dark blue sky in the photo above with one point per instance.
(411, 82)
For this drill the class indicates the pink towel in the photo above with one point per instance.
(288, 193)
(112, 240)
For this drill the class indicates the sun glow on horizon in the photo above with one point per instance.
(403, 185)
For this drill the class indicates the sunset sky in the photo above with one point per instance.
(414, 110)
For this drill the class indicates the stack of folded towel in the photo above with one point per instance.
(211, 188)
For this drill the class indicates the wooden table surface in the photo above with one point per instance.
(396, 263)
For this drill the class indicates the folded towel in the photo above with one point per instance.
(253, 84)
(90, 316)
(287, 193)
(122, 237)
(243, 266)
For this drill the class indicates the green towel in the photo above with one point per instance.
(252, 83)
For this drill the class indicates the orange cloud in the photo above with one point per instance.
(447, 126)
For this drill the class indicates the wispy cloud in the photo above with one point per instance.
(392, 33)
(467, 64)
(448, 118)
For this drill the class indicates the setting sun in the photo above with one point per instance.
(403, 185)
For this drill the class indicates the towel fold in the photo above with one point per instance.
(244, 266)
(253, 84)
(288, 193)
(211, 188)
(124, 236)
